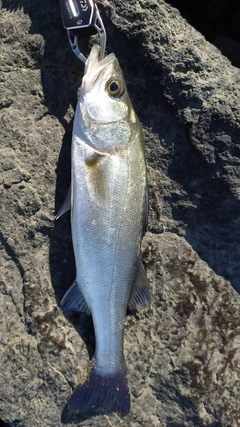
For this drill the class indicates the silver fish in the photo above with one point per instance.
(109, 205)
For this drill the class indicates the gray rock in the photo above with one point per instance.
(183, 351)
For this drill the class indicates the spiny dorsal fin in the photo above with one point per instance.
(140, 297)
(74, 300)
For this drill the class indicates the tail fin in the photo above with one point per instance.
(101, 394)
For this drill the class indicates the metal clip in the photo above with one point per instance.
(82, 15)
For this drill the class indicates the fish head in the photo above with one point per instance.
(104, 98)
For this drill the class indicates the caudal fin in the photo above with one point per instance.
(101, 394)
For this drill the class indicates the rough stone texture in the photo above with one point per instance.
(217, 20)
(183, 353)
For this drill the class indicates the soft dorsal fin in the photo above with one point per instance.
(66, 204)
(140, 297)
(74, 300)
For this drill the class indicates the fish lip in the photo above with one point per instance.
(93, 59)
(94, 66)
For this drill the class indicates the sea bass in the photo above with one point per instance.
(108, 220)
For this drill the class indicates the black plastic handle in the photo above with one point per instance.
(77, 14)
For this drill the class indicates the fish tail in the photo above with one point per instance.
(101, 394)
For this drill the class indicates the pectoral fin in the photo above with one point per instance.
(66, 205)
(74, 300)
(140, 297)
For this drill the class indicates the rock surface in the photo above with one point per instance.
(183, 352)
(217, 20)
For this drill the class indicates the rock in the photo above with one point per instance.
(182, 352)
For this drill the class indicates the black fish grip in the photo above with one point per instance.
(82, 16)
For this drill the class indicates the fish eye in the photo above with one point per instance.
(115, 88)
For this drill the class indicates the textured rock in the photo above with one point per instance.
(183, 352)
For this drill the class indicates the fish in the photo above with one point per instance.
(109, 204)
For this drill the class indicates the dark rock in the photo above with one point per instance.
(183, 352)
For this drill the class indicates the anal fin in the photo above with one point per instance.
(74, 300)
(140, 296)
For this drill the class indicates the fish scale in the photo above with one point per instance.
(108, 202)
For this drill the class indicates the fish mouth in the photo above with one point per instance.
(95, 66)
